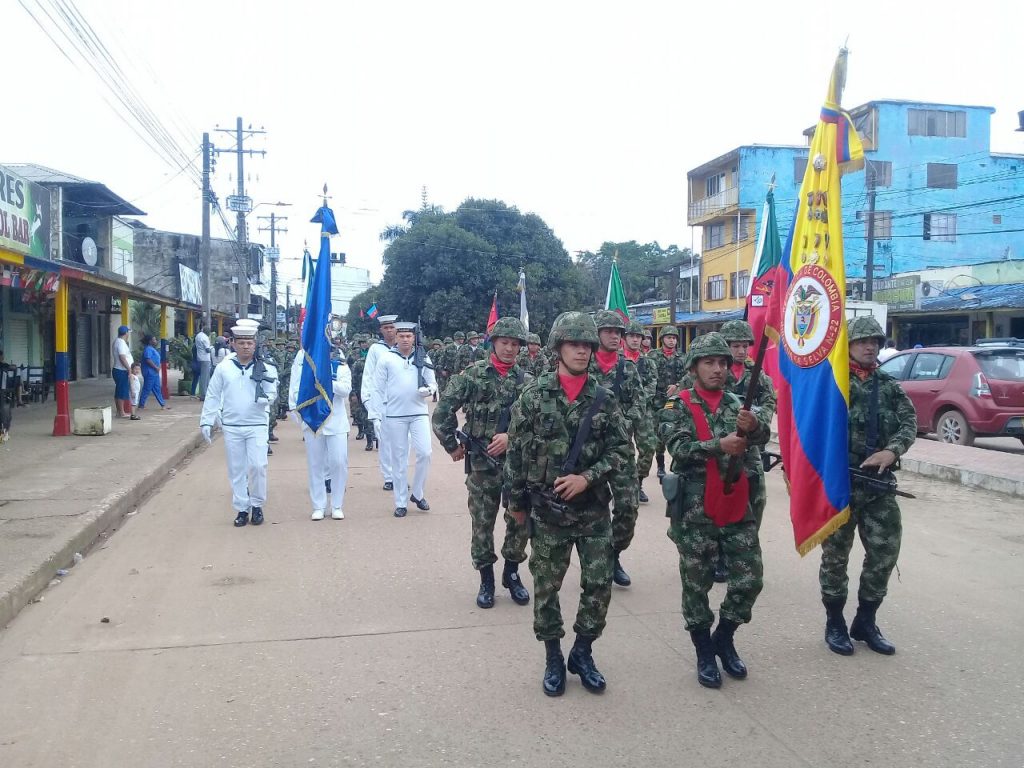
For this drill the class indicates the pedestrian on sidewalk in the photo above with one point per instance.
(326, 450)
(151, 372)
(567, 443)
(122, 360)
(204, 354)
(135, 384)
(403, 389)
(221, 351)
(242, 408)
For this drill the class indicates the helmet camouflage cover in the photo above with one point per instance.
(635, 326)
(737, 330)
(459, 336)
(669, 330)
(573, 326)
(532, 338)
(509, 328)
(447, 339)
(708, 345)
(865, 327)
(606, 318)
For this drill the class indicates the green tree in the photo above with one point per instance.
(639, 264)
(360, 303)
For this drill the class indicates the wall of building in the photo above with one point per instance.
(347, 283)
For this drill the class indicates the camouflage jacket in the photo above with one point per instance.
(764, 404)
(647, 367)
(677, 430)
(467, 355)
(447, 360)
(485, 398)
(536, 365)
(897, 419)
(670, 371)
(544, 424)
(623, 381)
(357, 366)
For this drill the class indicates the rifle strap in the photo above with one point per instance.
(871, 441)
(583, 433)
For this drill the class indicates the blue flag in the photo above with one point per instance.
(316, 388)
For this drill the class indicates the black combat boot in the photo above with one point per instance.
(485, 597)
(554, 669)
(708, 673)
(619, 575)
(581, 662)
(643, 497)
(660, 458)
(721, 639)
(359, 434)
(866, 630)
(837, 638)
(721, 574)
(510, 580)
(370, 439)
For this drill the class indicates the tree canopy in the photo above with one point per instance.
(638, 266)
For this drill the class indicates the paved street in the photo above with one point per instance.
(359, 643)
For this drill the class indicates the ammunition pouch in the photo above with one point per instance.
(672, 490)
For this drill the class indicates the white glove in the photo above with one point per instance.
(205, 429)
(425, 391)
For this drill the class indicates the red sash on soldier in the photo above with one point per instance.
(721, 508)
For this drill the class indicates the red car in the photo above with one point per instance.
(964, 392)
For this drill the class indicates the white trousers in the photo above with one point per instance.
(326, 457)
(246, 449)
(401, 431)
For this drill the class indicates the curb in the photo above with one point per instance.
(965, 477)
(98, 518)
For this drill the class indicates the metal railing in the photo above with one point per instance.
(714, 204)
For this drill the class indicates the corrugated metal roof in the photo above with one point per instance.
(91, 196)
(975, 297)
(40, 174)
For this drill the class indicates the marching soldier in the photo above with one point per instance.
(647, 342)
(449, 357)
(648, 370)
(671, 365)
(620, 376)
(532, 359)
(242, 407)
(485, 392)
(883, 426)
(373, 400)
(470, 353)
(699, 426)
(358, 363)
(567, 446)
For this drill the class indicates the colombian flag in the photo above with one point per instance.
(808, 312)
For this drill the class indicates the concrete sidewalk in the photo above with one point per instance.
(971, 467)
(59, 494)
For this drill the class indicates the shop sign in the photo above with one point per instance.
(899, 293)
(662, 315)
(24, 216)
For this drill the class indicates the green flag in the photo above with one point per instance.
(616, 299)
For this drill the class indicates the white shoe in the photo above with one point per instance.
(318, 514)
(337, 514)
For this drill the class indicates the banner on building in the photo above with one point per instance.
(191, 285)
(24, 216)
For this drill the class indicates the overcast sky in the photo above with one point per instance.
(588, 114)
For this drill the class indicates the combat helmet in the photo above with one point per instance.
(509, 328)
(635, 327)
(737, 330)
(532, 338)
(573, 326)
(447, 339)
(606, 318)
(669, 330)
(459, 336)
(708, 345)
(865, 327)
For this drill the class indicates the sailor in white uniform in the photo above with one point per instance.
(372, 400)
(326, 450)
(242, 408)
(404, 390)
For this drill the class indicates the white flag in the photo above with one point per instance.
(524, 314)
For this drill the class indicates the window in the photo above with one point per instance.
(997, 218)
(942, 175)
(930, 366)
(883, 224)
(716, 288)
(895, 366)
(937, 122)
(714, 236)
(1004, 365)
(739, 290)
(882, 170)
(743, 227)
(799, 169)
(940, 227)
(865, 124)
(714, 184)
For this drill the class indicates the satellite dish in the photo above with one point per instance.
(89, 251)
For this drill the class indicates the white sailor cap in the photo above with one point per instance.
(405, 326)
(245, 328)
(387, 319)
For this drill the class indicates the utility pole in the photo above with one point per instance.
(274, 229)
(242, 205)
(204, 244)
(869, 266)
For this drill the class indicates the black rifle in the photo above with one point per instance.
(419, 357)
(771, 460)
(259, 370)
(732, 472)
(884, 481)
(475, 445)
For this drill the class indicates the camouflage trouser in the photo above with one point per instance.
(877, 520)
(550, 549)
(758, 495)
(484, 489)
(358, 413)
(442, 381)
(625, 504)
(698, 545)
(650, 443)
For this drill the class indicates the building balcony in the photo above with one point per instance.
(723, 203)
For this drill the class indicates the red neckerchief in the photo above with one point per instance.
(500, 367)
(533, 355)
(861, 372)
(668, 352)
(737, 371)
(721, 508)
(713, 397)
(572, 385)
(606, 360)
(631, 354)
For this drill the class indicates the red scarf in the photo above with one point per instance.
(712, 397)
(721, 508)
(631, 354)
(737, 371)
(572, 385)
(500, 367)
(606, 360)
(533, 355)
(668, 352)
(860, 371)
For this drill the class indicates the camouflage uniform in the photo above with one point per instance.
(535, 365)
(670, 369)
(647, 439)
(875, 515)
(469, 354)
(358, 362)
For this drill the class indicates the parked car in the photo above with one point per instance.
(964, 392)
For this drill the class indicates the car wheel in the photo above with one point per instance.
(953, 428)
